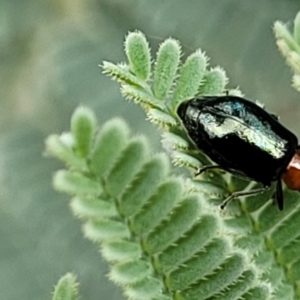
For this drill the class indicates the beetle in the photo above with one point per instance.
(245, 140)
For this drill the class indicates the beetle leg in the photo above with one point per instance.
(205, 168)
(279, 195)
(243, 193)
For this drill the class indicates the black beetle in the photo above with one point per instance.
(245, 140)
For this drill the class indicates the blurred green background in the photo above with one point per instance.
(49, 56)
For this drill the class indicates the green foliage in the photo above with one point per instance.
(190, 76)
(66, 288)
(252, 217)
(166, 65)
(289, 46)
(162, 236)
(83, 129)
(161, 241)
(138, 54)
(214, 82)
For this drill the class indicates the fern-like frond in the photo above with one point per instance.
(162, 235)
(162, 240)
(252, 217)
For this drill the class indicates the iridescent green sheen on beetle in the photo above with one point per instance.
(245, 140)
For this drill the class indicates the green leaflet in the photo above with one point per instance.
(66, 288)
(167, 61)
(157, 207)
(138, 95)
(131, 271)
(144, 185)
(289, 46)
(138, 54)
(108, 145)
(75, 183)
(199, 266)
(213, 83)
(120, 250)
(148, 289)
(121, 74)
(199, 236)
(62, 148)
(191, 74)
(239, 288)
(85, 207)
(180, 221)
(83, 127)
(289, 253)
(131, 159)
(106, 230)
(227, 273)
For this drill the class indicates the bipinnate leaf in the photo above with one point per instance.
(267, 236)
(164, 231)
(148, 226)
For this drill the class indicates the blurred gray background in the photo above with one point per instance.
(49, 56)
